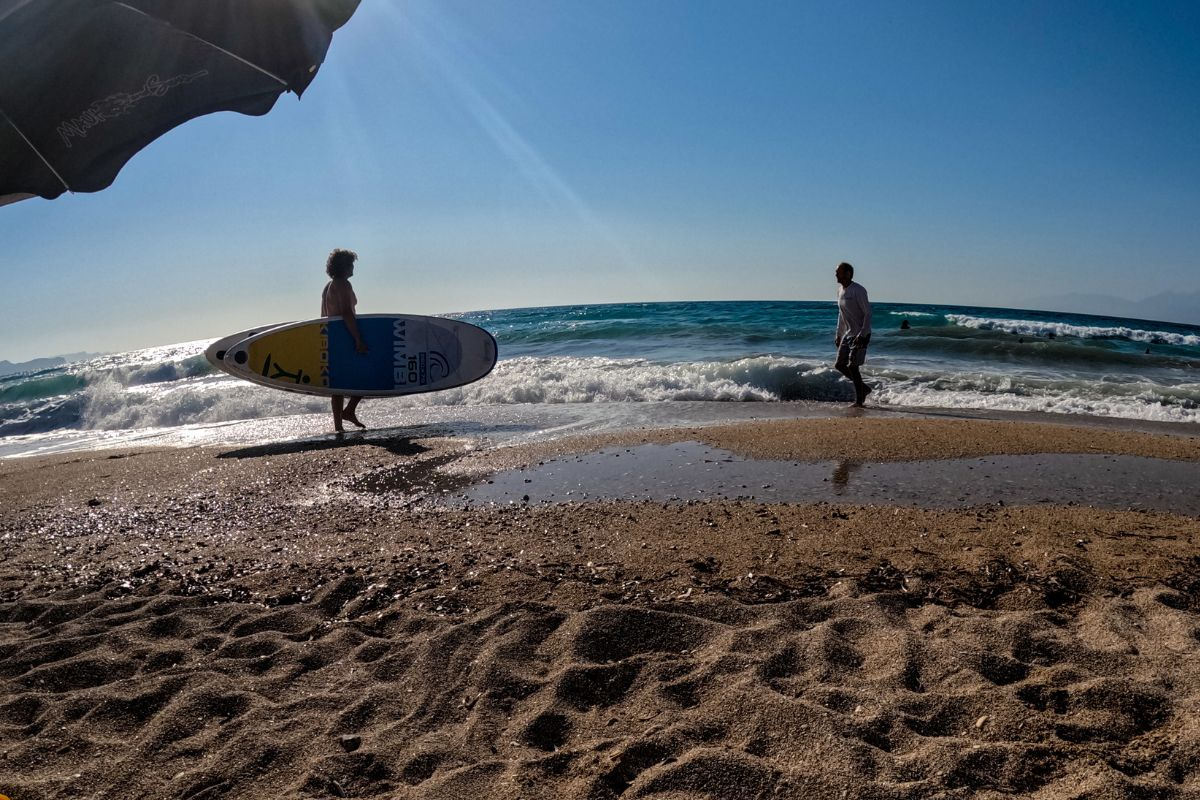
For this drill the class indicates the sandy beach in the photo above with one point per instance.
(760, 401)
(328, 618)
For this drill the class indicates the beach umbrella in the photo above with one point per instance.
(86, 84)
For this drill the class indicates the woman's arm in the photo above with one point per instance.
(346, 301)
(352, 326)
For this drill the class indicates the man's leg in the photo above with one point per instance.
(858, 356)
(861, 390)
(842, 364)
(845, 365)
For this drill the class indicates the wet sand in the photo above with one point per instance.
(333, 619)
(691, 470)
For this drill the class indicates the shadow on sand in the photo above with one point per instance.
(395, 442)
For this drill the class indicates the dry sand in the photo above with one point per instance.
(306, 620)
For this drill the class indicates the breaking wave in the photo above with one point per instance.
(1046, 328)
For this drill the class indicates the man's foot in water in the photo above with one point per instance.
(860, 396)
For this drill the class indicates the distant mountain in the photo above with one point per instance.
(9, 368)
(1167, 306)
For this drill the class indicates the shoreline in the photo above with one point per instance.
(504, 424)
(313, 619)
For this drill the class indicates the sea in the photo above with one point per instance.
(587, 368)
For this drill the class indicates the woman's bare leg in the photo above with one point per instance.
(337, 401)
(351, 412)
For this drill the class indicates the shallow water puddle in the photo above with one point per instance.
(693, 471)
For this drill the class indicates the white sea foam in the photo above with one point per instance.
(110, 405)
(912, 314)
(1129, 400)
(595, 380)
(1028, 327)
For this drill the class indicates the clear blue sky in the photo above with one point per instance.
(483, 155)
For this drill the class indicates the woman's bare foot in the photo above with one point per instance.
(353, 420)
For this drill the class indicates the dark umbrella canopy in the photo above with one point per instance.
(86, 84)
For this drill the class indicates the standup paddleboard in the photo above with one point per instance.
(406, 355)
(215, 353)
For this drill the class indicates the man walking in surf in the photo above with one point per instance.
(853, 330)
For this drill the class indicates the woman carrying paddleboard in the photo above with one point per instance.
(338, 300)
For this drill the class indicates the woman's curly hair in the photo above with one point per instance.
(340, 262)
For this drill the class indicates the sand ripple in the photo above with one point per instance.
(845, 693)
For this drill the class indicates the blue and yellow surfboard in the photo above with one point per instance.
(406, 354)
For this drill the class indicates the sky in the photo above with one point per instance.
(539, 152)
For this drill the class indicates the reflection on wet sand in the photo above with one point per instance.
(687, 470)
(842, 473)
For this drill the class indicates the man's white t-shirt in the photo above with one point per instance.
(854, 311)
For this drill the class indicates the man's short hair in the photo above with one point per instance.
(848, 267)
(339, 263)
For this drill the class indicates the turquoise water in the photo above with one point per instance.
(958, 335)
(949, 357)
